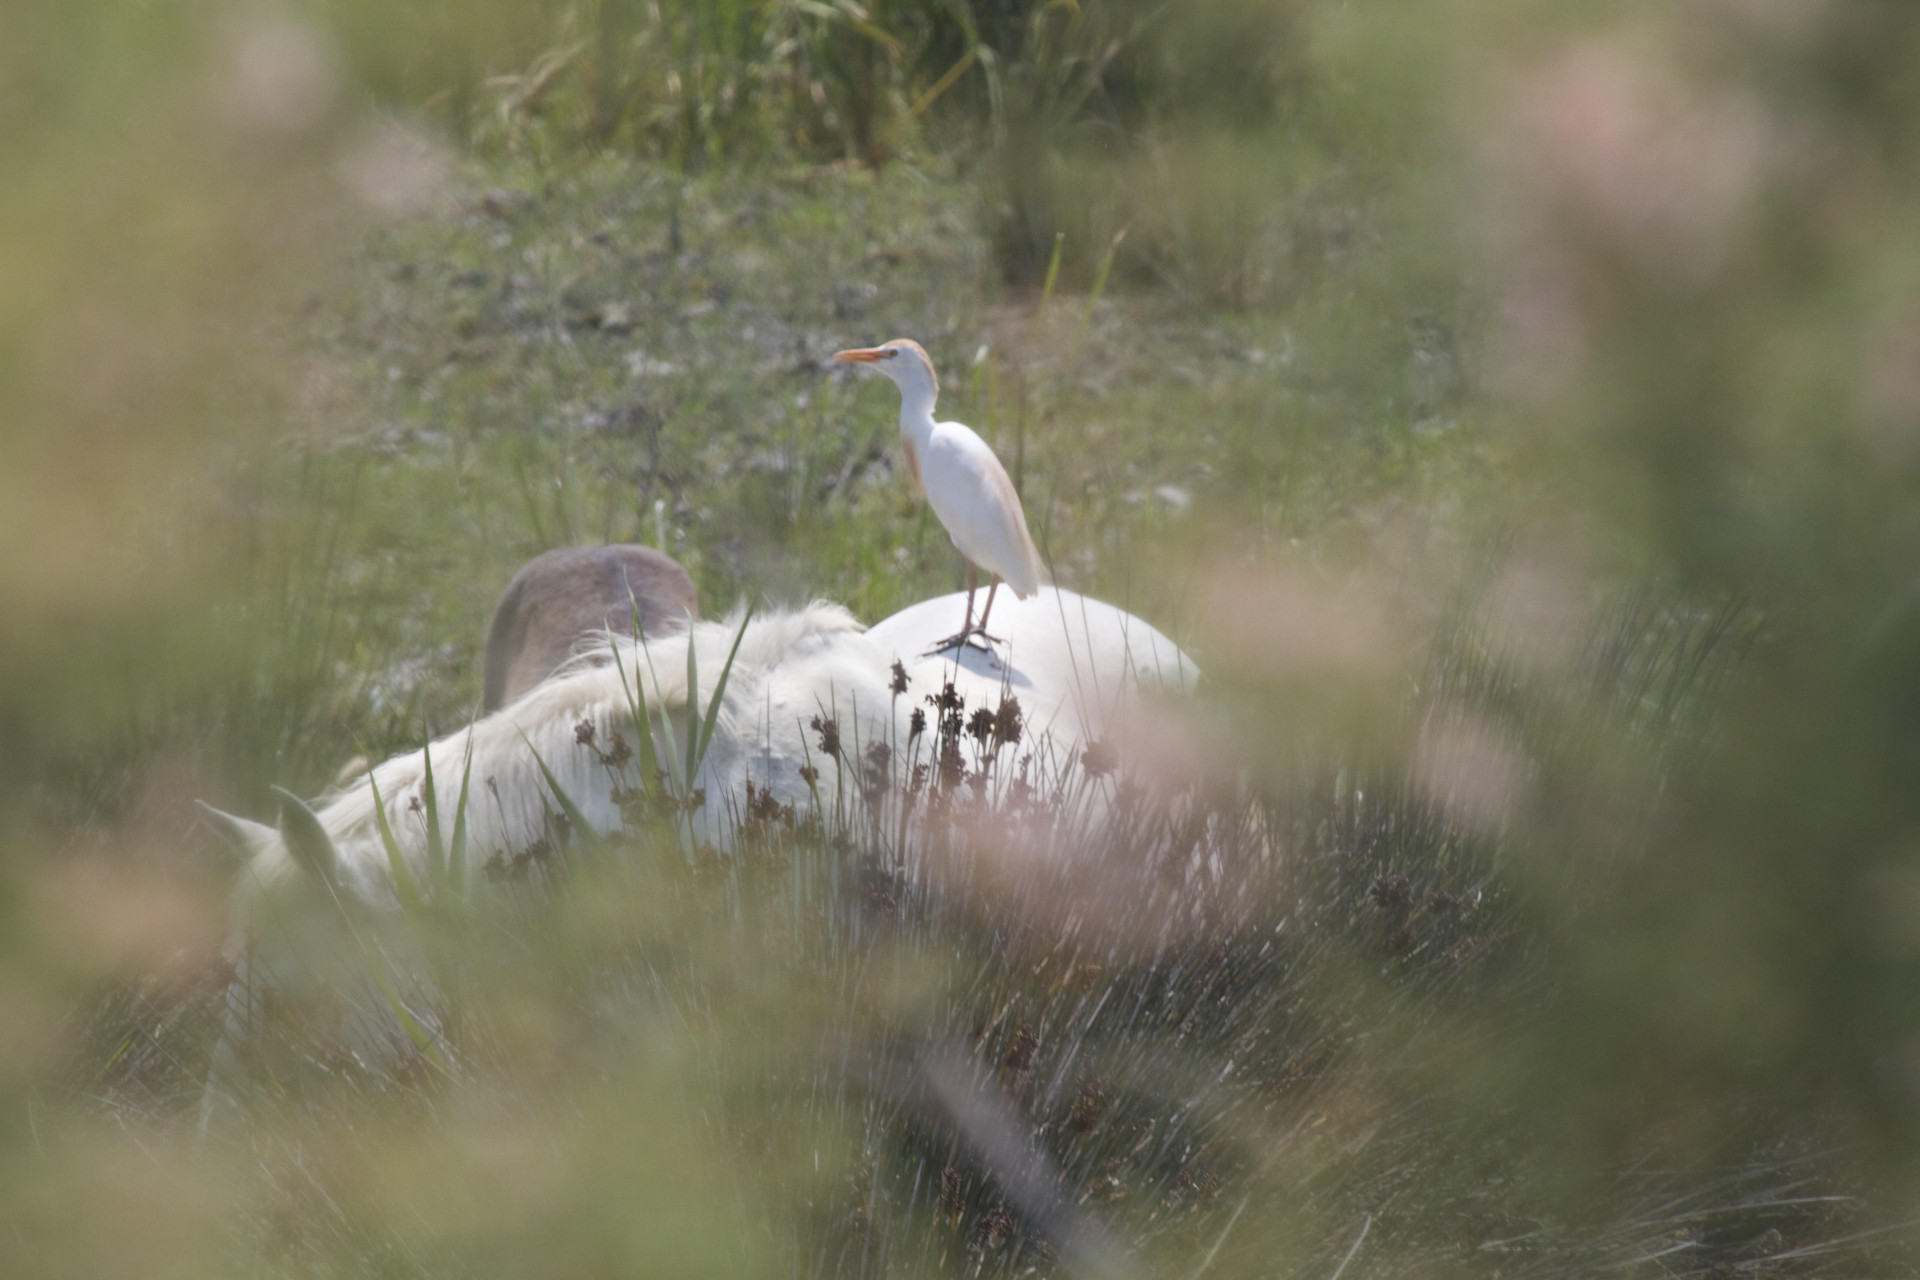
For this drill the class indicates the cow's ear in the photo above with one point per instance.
(241, 836)
(307, 840)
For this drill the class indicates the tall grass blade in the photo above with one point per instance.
(636, 695)
(666, 721)
(693, 710)
(944, 83)
(996, 92)
(643, 722)
(457, 851)
(404, 886)
(531, 502)
(422, 1039)
(227, 1075)
(720, 691)
(582, 830)
(418, 910)
(1053, 271)
(1093, 299)
(856, 18)
(672, 753)
(436, 846)
(993, 395)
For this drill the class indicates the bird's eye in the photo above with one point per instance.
(888, 353)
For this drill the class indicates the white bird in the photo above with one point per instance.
(961, 479)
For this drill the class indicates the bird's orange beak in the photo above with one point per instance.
(865, 355)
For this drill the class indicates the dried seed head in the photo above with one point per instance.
(1008, 724)
(619, 753)
(953, 767)
(829, 730)
(1021, 1047)
(1391, 891)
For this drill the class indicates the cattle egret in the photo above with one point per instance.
(963, 482)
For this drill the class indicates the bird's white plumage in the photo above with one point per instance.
(969, 490)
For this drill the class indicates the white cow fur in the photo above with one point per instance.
(1068, 659)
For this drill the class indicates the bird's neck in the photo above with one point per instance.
(916, 412)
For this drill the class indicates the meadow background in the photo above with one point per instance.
(1515, 408)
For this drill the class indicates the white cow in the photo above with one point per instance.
(820, 719)
(801, 682)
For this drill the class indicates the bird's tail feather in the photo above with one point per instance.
(1034, 572)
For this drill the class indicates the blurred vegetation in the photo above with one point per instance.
(1515, 406)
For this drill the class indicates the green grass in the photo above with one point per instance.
(613, 352)
(1282, 1035)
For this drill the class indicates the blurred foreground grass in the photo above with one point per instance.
(1516, 410)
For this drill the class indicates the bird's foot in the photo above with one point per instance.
(973, 638)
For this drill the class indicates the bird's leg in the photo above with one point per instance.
(967, 628)
(981, 630)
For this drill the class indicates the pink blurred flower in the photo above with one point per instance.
(1628, 153)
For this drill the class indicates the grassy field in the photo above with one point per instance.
(615, 353)
(1511, 406)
